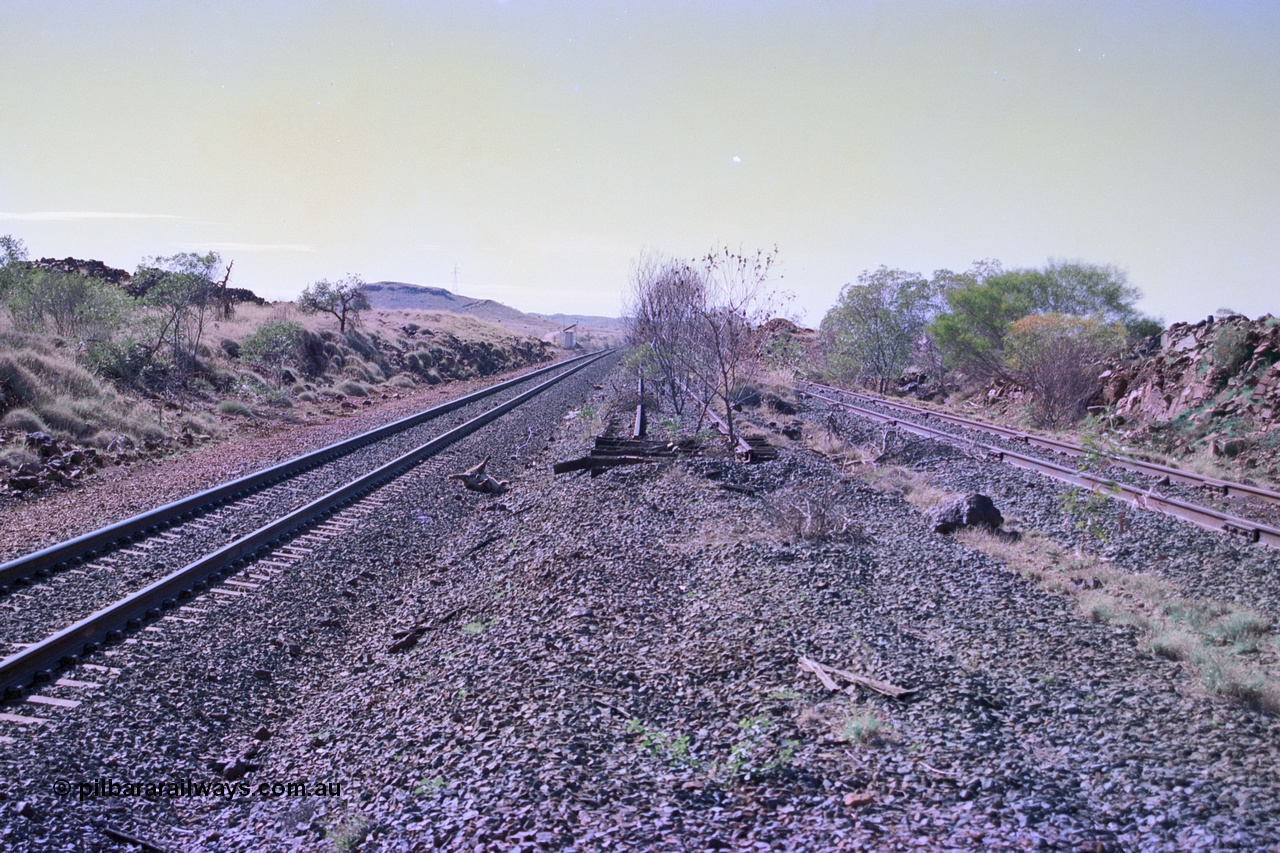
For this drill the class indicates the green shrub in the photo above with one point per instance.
(1231, 349)
(124, 359)
(67, 304)
(273, 346)
(235, 407)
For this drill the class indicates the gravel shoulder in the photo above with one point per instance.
(611, 663)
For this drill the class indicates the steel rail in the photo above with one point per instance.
(64, 648)
(1152, 469)
(1206, 517)
(92, 544)
(742, 449)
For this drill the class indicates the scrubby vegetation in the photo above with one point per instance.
(145, 361)
(695, 325)
(1047, 331)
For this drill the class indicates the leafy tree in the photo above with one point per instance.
(983, 304)
(874, 327)
(13, 258)
(67, 303)
(1143, 327)
(180, 294)
(344, 299)
(1057, 358)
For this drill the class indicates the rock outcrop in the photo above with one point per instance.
(1215, 368)
(89, 268)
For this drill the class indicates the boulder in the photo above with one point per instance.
(43, 443)
(970, 511)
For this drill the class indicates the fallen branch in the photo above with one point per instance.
(824, 674)
(477, 480)
(818, 670)
(929, 768)
(527, 439)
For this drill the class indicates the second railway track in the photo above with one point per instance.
(98, 583)
(1209, 518)
(1161, 473)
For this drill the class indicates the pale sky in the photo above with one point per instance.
(540, 147)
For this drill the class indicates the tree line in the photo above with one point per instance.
(696, 328)
(1048, 330)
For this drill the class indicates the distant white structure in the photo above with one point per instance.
(565, 338)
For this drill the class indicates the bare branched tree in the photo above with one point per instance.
(662, 310)
(694, 322)
(1057, 357)
(736, 300)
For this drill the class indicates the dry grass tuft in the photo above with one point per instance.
(235, 408)
(43, 389)
(1230, 648)
(16, 458)
(916, 488)
(859, 726)
(830, 445)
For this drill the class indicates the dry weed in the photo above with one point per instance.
(812, 518)
(1230, 648)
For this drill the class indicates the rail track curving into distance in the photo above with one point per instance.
(1227, 488)
(212, 550)
(1148, 499)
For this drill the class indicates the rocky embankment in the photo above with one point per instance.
(1216, 383)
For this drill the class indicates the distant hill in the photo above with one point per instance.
(606, 324)
(399, 295)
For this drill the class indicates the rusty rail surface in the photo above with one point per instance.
(1151, 469)
(1206, 517)
(742, 448)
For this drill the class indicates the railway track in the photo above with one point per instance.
(217, 533)
(1162, 473)
(1203, 516)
